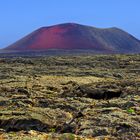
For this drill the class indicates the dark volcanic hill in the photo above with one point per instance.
(75, 36)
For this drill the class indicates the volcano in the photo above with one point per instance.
(72, 36)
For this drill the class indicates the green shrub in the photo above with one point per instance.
(130, 110)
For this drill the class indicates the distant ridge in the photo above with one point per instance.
(70, 36)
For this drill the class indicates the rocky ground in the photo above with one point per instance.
(70, 98)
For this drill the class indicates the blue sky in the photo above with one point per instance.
(20, 17)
